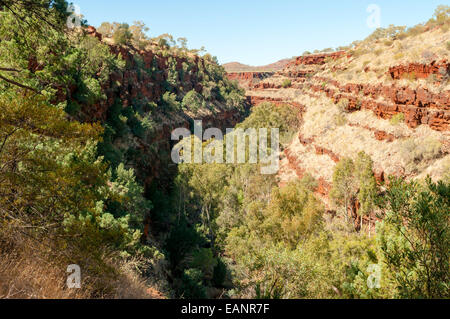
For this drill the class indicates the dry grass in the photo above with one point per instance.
(29, 270)
(422, 48)
(335, 130)
(415, 153)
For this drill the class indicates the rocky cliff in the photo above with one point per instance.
(398, 112)
(141, 86)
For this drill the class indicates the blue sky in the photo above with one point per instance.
(258, 32)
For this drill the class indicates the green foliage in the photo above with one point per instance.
(204, 260)
(441, 15)
(170, 103)
(355, 180)
(397, 119)
(182, 239)
(414, 238)
(191, 285)
(122, 34)
(344, 185)
(193, 101)
(382, 33)
(268, 115)
(286, 84)
(367, 184)
(53, 63)
(220, 273)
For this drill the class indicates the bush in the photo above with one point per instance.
(340, 120)
(343, 104)
(397, 119)
(286, 84)
(378, 52)
(220, 273)
(414, 238)
(416, 151)
(192, 285)
(193, 101)
(122, 35)
(204, 260)
(398, 56)
(170, 103)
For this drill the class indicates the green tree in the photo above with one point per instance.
(414, 238)
(193, 101)
(122, 35)
(344, 185)
(367, 184)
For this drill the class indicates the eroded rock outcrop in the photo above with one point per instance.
(420, 106)
(248, 79)
(420, 71)
(317, 59)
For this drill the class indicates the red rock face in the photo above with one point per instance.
(93, 32)
(420, 106)
(420, 71)
(317, 59)
(130, 84)
(248, 79)
(256, 100)
(323, 151)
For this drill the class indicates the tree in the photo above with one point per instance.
(193, 101)
(139, 36)
(293, 214)
(442, 14)
(183, 43)
(367, 193)
(122, 35)
(354, 180)
(344, 185)
(414, 237)
(106, 29)
(37, 11)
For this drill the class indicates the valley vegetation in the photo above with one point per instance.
(85, 178)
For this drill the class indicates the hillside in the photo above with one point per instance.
(92, 116)
(385, 97)
(93, 204)
(239, 67)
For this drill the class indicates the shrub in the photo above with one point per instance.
(414, 152)
(220, 273)
(414, 238)
(193, 101)
(402, 36)
(397, 119)
(416, 30)
(448, 45)
(411, 76)
(169, 101)
(398, 56)
(192, 285)
(340, 120)
(203, 259)
(286, 83)
(343, 104)
(122, 35)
